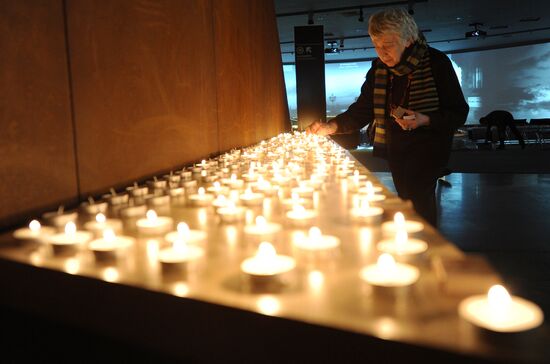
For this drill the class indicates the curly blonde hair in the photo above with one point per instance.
(394, 20)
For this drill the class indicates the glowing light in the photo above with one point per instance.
(151, 215)
(100, 218)
(72, 265)
(70, 228)
(268, 305)
(110, 274)
(183, 230)
(35, 226)
(109, 235)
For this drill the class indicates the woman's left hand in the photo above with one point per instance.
(412, 120)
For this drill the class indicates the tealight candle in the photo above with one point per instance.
(177, 196)
(185, 176)
(387, 273)
(116, 200)
(189, 185)
(201, 198)
(299, 216)
(251, 176)
(69, 241)
(92, 208)
(101, 223)
(157, 184)
(217, 189)
(179, 254)
(136, 191)
(233, 182)
(399, 223)
(402, 245)
(34, 232)
(267, 263)
(262, 228)
(315, 240)
(207, 178)
(220, 201)
(281, 180)
(265, 187)
(133, 211)
(369, 189)
(109, 245)
(184, 233)
(154, 224)
(366, 213)
(231, 213)
(500, 312)
(303, 191)
(294, 200)
(356, 178)
(249, 198)
(59, 218)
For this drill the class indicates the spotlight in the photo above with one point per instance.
(361, 19)
(476, 32)
(310, 19)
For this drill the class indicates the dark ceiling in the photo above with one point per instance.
(444, 23)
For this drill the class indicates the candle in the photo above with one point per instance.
(207, 178)
(249, 198)
(265, 187)
(69, 241)
(34, 232)
(217, 189)
(267, 263)
(299, 216)
(157, 184)
(368, 189)
(136, 191)
(294, 200)
(92, 208)
(366, 213)
(101, 223)
(231, 213)
(154, 224)
(59, 218)
(179, 254)
(177, 195)
(262, 228)
(315, 240)
(500, 312)
(116, 200)
(220, 201)
(399, 223)
(233, 182)
(184, 233)
(185, 176)
(133, 211)
(109, 245)
(402, 245)
(189, 185)
(201, 198)
(303, 191)
(251, 176)
(387, 273)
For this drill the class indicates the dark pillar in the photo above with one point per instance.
(310, 74)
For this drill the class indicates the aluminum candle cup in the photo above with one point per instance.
(299, 216)
(153, 224)
(231, 213)
(133, 211)
(249, 198)
(70, 241)
(101, 223)
(201, 199)
(110, 245)
(185, 176)
(262, 229)
(34, 232)
(498, 311)
(401, 245)
(364, 213)
(116, 200)
(316, 241)
(266, 265)
(387, 273)
(183, 233)
(179, 255)
(177, 196)
(94, 208)
(59, 219)
(399, 223)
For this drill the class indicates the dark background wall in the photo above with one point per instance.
(97, 94)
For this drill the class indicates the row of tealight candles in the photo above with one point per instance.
(289, 169)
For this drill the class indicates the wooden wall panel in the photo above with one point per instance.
(250, 87)
(144, 87)
(37, 167)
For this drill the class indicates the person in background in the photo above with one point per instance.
(414, 99)
(501, 119)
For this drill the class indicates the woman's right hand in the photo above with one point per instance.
(323, 129)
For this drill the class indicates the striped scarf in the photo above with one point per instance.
(422, 93)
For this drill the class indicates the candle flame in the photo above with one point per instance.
(109, 235)
(100, 218)
(295, 197)
(201, 191)
(298, 209)
(151, 215)
(204, 173)
(248, 192)
(364, 204)
(498, 297)
(261, 221)
(179, 245)
(70, 228)
(386, 263)
(315, 235)
(266, 251)
(183, 230)
(233, 177)
(399, 220)
(34, 226)
(217, 185)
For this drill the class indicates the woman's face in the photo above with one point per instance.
(389, 48)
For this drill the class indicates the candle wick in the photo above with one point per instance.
(60, 209)
(91, 200)
(113, 192)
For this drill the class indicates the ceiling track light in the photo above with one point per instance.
(476, 32)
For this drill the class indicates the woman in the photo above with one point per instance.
(413, 97)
